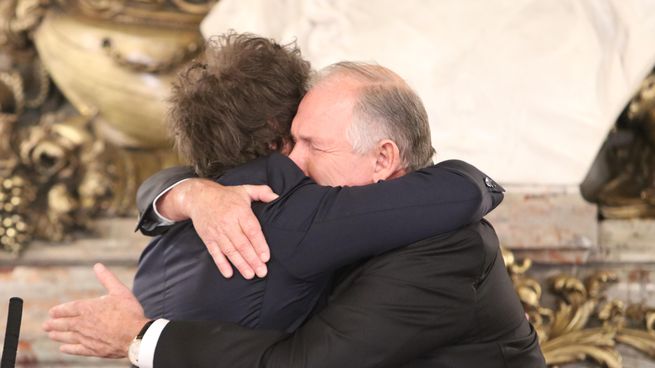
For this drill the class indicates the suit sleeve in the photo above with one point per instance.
(338, 226)
(149, 190)
(357, 338)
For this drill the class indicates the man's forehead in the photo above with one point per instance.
(325, 107)
(322, 109)
(333, 96)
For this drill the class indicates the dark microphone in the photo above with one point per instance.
(11, 333)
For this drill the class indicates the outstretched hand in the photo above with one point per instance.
(101, 327)
(223, 218)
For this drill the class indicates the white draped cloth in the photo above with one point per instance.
(527, 90)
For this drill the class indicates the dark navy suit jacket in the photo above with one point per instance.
(312, 231)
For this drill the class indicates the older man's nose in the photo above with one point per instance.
(299, 156)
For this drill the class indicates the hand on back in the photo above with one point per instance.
(223, 218)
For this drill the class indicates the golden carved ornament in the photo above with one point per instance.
(584, 324)
(630, 192)
(18, 18)
(65, 177)
(60, 167)
(163, 13)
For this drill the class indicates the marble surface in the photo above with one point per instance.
(551, 225)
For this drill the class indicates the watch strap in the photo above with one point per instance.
(144, 329)
(135, 345)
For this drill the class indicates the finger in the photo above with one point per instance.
(76, 349)
(262, 193)
(111, 283)
(64, 337)
(247, 252)
(251, 228)
(70, 309)
(58, 324)
(232, 254)
(246, 249)
(223, 265)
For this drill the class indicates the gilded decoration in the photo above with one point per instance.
(83, 85)
(630, 192)
(584, 324)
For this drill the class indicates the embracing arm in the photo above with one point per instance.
(357, 338)
(338, 226)
(239, 239)
(149, 223)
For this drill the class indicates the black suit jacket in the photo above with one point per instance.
(443, 302)
(313, 231)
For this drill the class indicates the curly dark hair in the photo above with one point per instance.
(236, 101)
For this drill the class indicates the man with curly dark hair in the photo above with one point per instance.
(236, 101)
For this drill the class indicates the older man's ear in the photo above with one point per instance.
(388, 164)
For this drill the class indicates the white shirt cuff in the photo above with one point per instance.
(163, 221)
(149, 343)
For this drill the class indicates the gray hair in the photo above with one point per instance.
(387, 108)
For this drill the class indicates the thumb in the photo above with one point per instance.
(262, 193)
(111, 283)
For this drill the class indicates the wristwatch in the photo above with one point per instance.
(135, 345)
